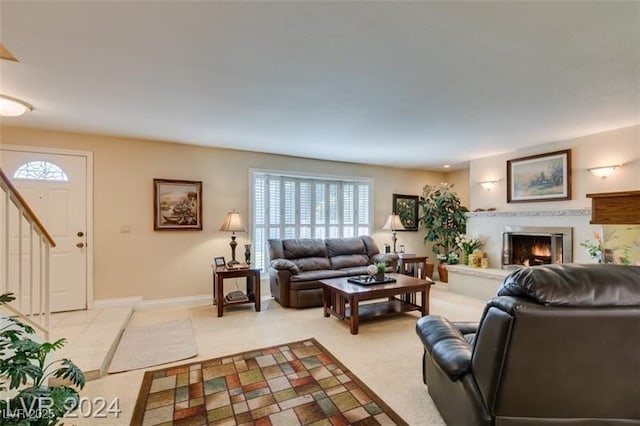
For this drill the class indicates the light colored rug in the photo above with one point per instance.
(156, 344)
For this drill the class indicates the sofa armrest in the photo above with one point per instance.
(284, 265)
(446, 344)
(391, 259)
(280, 285)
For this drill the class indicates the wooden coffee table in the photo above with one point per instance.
(401, 297)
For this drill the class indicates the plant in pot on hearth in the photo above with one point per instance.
(25, 371)
(467, 244)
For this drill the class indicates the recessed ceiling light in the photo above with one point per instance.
(446, 166)
(13, 107)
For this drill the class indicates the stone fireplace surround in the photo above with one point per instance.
(483, 283)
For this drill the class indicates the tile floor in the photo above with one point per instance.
(386, 354)
(91, 335)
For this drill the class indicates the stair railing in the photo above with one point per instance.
(24, 267)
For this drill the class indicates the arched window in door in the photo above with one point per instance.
(41, 170)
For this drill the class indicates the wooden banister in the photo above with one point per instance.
(8, 186)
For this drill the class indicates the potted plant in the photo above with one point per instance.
(442, 215)
(377, 270)
(468, 245)
(26, 370)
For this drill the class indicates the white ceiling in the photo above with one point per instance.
(414, 85)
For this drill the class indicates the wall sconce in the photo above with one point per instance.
(488, 184)
(604, 171)
(13, 107)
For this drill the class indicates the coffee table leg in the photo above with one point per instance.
(326, 294)
(353, 306)
(425, 301)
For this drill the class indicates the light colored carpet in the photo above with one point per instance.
(386, 354)
(155, 344)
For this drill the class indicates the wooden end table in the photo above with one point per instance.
(253, 286)
(419, 262)
(401, 297)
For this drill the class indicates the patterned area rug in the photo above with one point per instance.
(298, 383)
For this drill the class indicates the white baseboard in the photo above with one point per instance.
(116, 302)
(140, 304)
(175, 302)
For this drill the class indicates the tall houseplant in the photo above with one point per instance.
(442, 215)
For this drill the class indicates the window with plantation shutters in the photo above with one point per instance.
(290, 206)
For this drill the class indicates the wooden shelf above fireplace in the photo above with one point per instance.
(615, 208)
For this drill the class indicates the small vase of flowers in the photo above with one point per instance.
(594, 248)
(467, 244)
(377, 270)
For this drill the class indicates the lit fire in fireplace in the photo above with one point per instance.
(536, 253)
(531, 246)
(541, 250)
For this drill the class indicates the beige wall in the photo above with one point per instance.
(460, 181)
(175, 264)
(620, 146)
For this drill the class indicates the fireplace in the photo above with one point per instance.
(533, 245)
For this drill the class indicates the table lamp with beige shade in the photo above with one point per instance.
(393, 224)
(233, 223)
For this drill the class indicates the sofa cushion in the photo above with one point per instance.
(340, 246)
(576, 285)
(312, 263)
(297, 248)
(384, 258)
(300, 280)
(349, 260)
(355, 270)
(275, 249)
(370, 244)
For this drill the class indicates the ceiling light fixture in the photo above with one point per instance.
(488, 184)
(604, 171)
(13, 107)
(446, 166)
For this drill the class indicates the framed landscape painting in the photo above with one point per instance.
(177, 205)
(406, 206)
(543, 177)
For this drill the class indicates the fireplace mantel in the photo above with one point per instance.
(526, 213)
(616, 208)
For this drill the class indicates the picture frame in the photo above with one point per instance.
(177, 205)
(406, 206)
(219, 262)
(542, 177)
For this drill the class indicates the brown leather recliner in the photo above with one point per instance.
(559, 345)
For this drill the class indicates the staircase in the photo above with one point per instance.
(24, 260)
(92, 335)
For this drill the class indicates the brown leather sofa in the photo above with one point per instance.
(559, 345)
(298, 265)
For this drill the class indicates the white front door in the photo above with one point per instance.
(60, 203)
